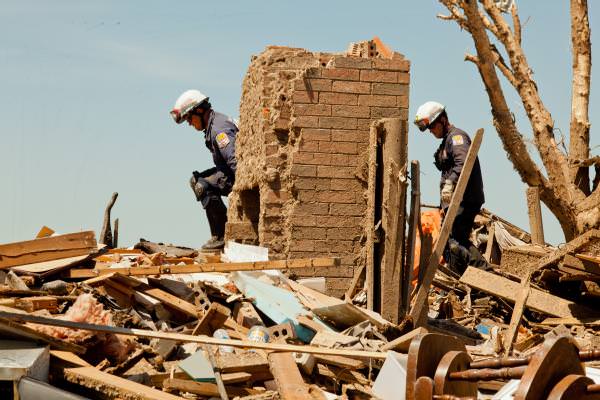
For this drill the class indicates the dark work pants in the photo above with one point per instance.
(460, 251)
(215, 184)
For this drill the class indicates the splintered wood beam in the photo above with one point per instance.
(48, 248)
(103, 382)
(421, 306)
(535, 216)
(209, 267)
(15, 317)
(537, 299)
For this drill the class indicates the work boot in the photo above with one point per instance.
(216, 213)
(214, 243)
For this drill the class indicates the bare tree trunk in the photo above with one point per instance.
(580, 93)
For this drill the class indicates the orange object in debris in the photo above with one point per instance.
(431, 223)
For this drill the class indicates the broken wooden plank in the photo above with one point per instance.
(535, 216)
(209, 267)
(413, 227)
(45, 268)
(114, 387)
(46, 249)
(288, 378)
(370, 217)
(402, 343)
(517, 314)
(190, 338)
(419, 310)
(203, 388)
(158, 294)
(393, 216)
(537, 300)
(10, 328)
(339, 361)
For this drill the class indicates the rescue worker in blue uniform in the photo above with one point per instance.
(449, 159)
(219, 135)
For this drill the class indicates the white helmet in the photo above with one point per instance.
(187, 102)
(427, 113)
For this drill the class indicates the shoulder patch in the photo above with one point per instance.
(457, 140)
(222, 140)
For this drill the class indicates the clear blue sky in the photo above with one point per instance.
(86, 88)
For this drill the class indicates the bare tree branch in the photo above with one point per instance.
(516, 23)
(541, 120)
(588, 162)
(580, 92)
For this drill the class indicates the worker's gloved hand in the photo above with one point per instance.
(447, 190)
(197, 188)
(196, 175)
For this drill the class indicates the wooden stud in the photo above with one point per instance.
(535, 216)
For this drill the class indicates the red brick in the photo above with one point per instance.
(339, 221)
(344, 74)
(394, 89)
(276, 197)
(394, 64)
(339, 98)
(312, 109)
(312, 209)
(340, 135)
(335, 197)
(336, 246)
(344, 233)
(342, 147)
(384, 112)
(377, 100)
(351, 87)
(326, 171)
(346, 184)
(304, 220)
(303, 170)
(312, 183)
(364, 125)
(303, 232)
(337, 122)
(352, 62)
(304, 158)
(402, 101)
(347, 209)
(342, 271)
(378, 76)
(403, 77)
(309, 134)
(306, 122)
(308, 145)
(307, 196)
(350, 111)
(302, 245)
(315, 85)
(330, 159)
(301, 96)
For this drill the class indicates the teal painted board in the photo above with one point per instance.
(198, 367)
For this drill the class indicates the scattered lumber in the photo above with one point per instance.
(537, 299)
(47, 249)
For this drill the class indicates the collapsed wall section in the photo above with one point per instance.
(302, 153)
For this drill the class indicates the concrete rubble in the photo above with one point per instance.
(304, 301)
